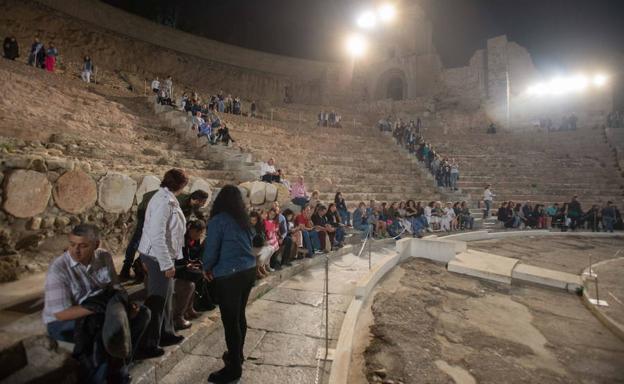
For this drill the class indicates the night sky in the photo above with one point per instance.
(560, 34)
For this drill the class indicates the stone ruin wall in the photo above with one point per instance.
(251, 74)
(42, 197)
(483, 84)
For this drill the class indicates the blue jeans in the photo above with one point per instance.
(340, 235)
(345, 216)
(488, 206)
(311, 241)
(418, 224)
(454, 177)
(366, 229)
(608, 224)
(300, 201)
(62, 330)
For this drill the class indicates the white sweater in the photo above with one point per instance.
(163, 230)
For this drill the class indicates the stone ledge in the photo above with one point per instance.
(483, 265)
(546, 277)
(342, 355)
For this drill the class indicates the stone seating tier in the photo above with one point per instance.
(534, 166)
(334, 159)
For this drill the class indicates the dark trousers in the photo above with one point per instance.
(159, 300)
(232, 293)
(268, 178)
(133, 246)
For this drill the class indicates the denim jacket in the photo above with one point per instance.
(227, 248)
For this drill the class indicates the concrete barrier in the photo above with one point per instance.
(366, 284)
(342, 355)
(434, 249)
(546, 277)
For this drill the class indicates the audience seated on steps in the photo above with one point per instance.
(287, 247)
(262, 250)
(84, 304)
(333, 234)
(298, 193)
(527, 215)
(311, 238)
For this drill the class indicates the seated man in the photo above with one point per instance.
(311, 239)
(82, 294)
(268, 172)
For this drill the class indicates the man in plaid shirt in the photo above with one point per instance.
(82, 271)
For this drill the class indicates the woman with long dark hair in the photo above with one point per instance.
(229, 262)
(341, 205)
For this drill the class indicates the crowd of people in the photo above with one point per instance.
(444, 170)
(39, 55)
(44, 57)
(185, 268)
(566, 216)
(568, 123)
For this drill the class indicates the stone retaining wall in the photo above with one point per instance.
(42, 198)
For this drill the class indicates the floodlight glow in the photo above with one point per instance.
(386, 12)
(600, 80)
(578, 83)
(567, 85)
(367, 20)
(356, 45)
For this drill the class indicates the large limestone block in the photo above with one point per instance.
(148, 184)
(201, 184)
(26, 193)
(271, 193)
(116, 192)
(257, 193)
(75, 192)
(245, 186)
(283, 195)
(245, 193)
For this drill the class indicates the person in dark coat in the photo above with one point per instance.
(11, 48)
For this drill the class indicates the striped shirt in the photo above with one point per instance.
(69, 282)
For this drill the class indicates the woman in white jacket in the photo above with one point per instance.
(161, 244)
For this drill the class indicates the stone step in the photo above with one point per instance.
(483, 265)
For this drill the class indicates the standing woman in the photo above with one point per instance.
(341, 205)
(87, 69)
(161, 244)
(50, 59)
(229, 262)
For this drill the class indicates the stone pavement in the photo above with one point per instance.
(286, 327)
